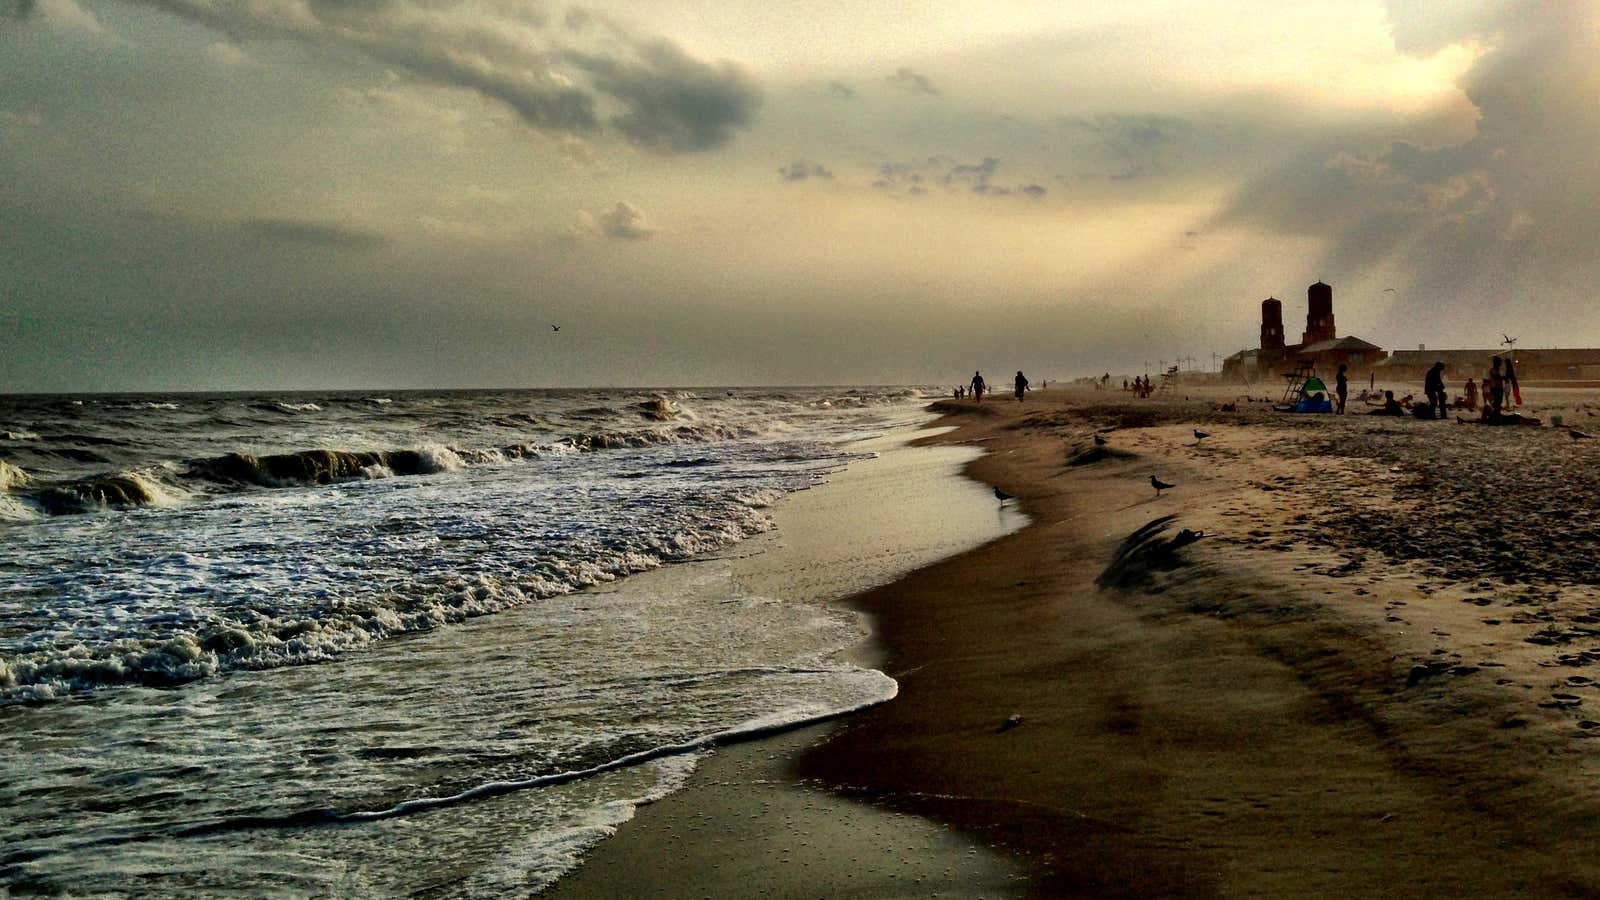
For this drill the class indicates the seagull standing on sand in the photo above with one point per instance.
(1159, 485)
(1002, 496)
(1099, 439)
(1578, 435)
(1200, 435)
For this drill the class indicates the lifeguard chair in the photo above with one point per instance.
(1295, 383)
(1168, 379)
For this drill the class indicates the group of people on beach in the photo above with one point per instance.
(977, 387)
(1140, 386)
(1499, 389)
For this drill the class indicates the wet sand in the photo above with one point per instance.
(746, 825)
(1370, 677)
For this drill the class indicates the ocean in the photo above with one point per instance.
(360, 643)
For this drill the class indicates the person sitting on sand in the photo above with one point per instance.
(1391, 406)
(1022, 385)
(978, 387)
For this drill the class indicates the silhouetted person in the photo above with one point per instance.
(978, 387)
(1433, 387)
(1391, 406)
(1341, 384)
(1022, 385)
(1472, 395)
(1496, 383)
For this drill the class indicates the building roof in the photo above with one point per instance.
(1570, 356)
(1352, 344)
(1452, 358)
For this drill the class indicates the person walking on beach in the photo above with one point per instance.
(978, 387)
(1341, 383)
(1022, 385)
(1433, 387)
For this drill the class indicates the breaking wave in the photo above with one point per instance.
(266, 637)
(123, 490)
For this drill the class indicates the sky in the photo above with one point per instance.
(279, 194)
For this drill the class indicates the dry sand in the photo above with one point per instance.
(1370, 677)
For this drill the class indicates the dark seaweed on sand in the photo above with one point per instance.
(1147, 551)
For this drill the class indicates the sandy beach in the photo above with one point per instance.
(1367, 678)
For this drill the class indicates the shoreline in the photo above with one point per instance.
(1287, 712)
(743, 824)
(1300, 704)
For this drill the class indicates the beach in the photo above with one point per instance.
(1366, 678)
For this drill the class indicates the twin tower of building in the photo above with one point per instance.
(1319, 319)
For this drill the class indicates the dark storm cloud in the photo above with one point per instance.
(675, 103)
(800, 170)
(315, 234)
(671, 102)
(913, 82)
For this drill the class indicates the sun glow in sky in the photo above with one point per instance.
(322, 193)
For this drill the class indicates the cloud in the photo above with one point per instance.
(954, 175)
(896, 177)
(1505, 213)
(313, 234)
(912, 82)
(578, 151)
(1128, 134)
(20, 121)
(675, 103)
(976, 175)
(841, 91)
(669, 101)
(226, 54)
(800, 170)
(64, 15)
(625, 222)
(578, 18)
